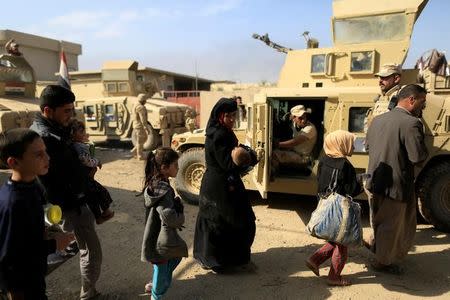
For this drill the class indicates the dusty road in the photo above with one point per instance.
(280, 247)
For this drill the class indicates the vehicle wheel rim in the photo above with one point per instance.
(445, 197)
(193, 177)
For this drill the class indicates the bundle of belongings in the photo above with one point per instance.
(337, 218)
(434, 61)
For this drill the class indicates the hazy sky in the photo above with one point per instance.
(212, 36)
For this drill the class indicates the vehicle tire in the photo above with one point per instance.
(191, 167)
(152, 142)
(433, 194)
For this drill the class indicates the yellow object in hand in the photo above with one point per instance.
(52, 214)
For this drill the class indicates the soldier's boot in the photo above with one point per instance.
(133, 151)
(140, 151)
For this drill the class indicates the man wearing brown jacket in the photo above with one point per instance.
(395, 142)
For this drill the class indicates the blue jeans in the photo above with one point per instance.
(162, 277)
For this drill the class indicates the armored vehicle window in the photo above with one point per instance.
(111, 87)
(90, 113)
(109, 113)
(362, 61)
(368, 29)
(123, 87)
(356, 119)
(318, 63)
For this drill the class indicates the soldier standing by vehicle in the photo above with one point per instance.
(141, 128)
(389, 76)
(395, 142)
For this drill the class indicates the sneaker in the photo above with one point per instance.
(148, 288)
(56, 258)
(72, 249)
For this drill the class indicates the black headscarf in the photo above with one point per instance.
(224, 105)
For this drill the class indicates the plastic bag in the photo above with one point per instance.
(337, 219)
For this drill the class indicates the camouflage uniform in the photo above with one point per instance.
(140, 127)
(387, 101)
(383, 103)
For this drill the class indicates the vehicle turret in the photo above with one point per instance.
(18, 105)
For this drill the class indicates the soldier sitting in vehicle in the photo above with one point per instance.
(297, 150)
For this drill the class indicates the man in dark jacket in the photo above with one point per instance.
(395, 141)
(66, 180)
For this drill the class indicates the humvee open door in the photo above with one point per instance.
(262, 141)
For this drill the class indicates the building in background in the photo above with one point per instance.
(43, 53)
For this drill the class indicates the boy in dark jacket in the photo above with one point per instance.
(22, 272)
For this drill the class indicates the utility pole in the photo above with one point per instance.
(196, 76)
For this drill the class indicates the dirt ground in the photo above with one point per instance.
(280, 248)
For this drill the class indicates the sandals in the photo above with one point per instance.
(312, 267)
(335, 282)
(339, 282)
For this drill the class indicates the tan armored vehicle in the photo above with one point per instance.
(18, 105)
(108, 116)
(339, 85)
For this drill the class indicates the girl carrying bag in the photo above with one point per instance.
(337, 218)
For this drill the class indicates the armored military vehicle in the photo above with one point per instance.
(338, 85)
(107, 104)
(18, 104)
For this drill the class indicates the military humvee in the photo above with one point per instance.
(107, 105)
(18, 105)
(339, 85)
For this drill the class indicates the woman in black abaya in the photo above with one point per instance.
(225, 226)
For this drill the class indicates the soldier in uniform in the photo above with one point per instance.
(141, 128)
(189, 116)
(297, 150)
(389, 81)
(389, 76)
(12, 48)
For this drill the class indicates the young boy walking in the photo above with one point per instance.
(22, 272)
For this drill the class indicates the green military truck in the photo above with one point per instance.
(339, 85)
